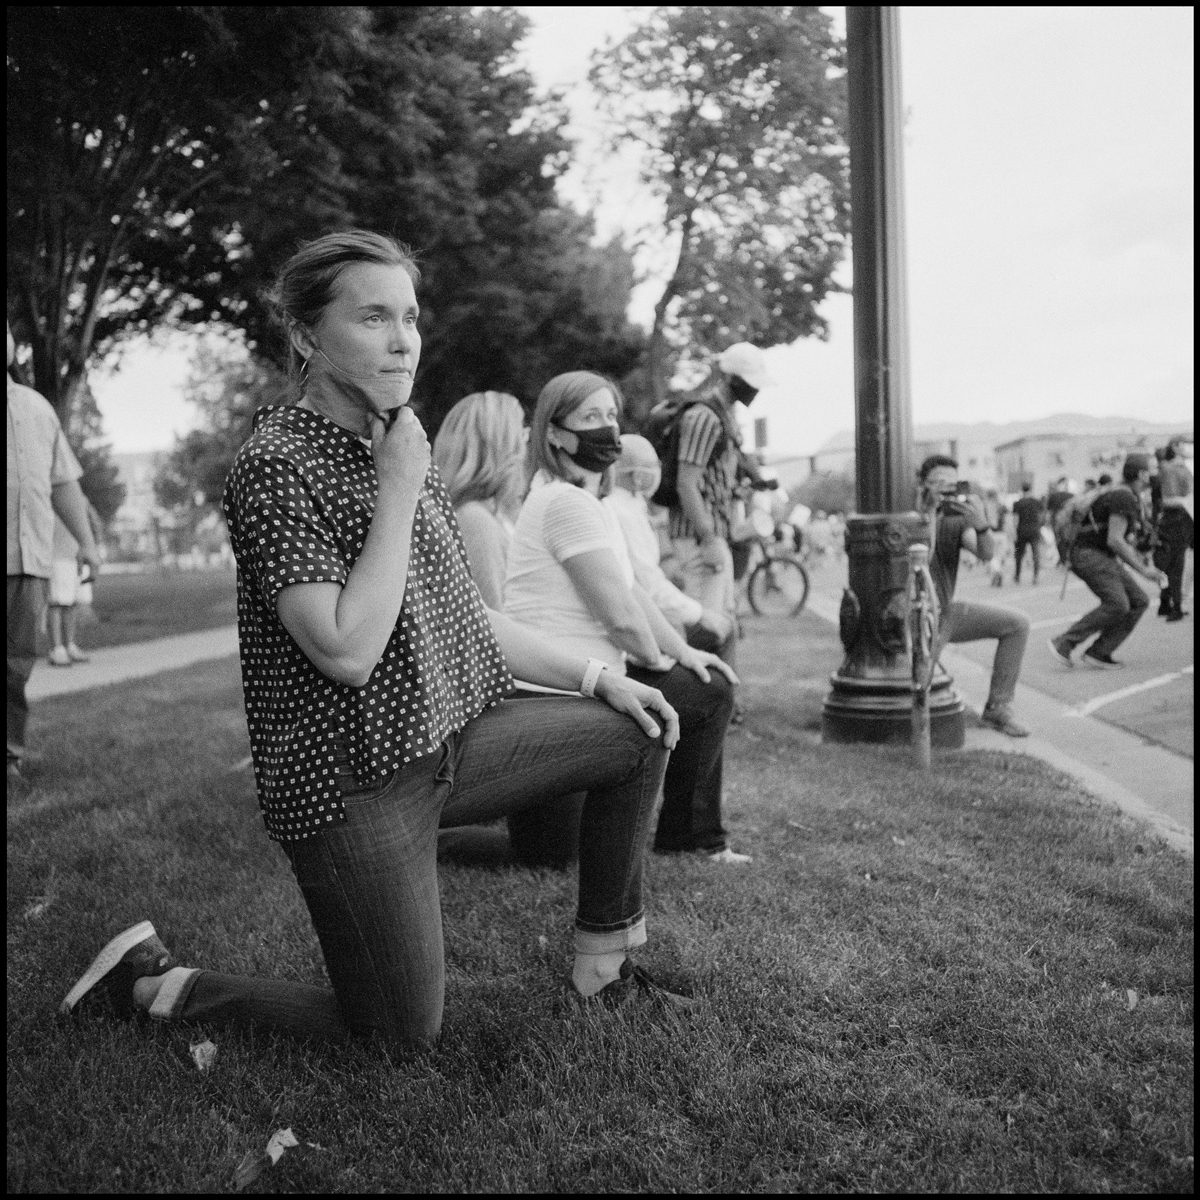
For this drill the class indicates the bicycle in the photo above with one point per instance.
(778, 583)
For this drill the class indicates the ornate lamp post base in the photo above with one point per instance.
(871, 693)
(880, 711)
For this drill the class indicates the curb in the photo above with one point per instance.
(1110, 762)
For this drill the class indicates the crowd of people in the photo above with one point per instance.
(483, 628)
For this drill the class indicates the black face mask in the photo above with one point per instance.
(598, 449)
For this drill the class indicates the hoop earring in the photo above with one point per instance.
(303, 376)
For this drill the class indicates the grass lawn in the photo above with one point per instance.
(156, 603)
(972, 979)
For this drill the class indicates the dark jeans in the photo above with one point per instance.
(371, 885)
(690, 817)
(979, 622)
(1121, 606)
(1176, 535)
(692, 790)
(1034, 542)
(26, 602)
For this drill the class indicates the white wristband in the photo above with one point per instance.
(594, 667)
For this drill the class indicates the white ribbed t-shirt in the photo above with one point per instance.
(557, 522)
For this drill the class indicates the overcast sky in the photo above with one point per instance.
(1048, 173)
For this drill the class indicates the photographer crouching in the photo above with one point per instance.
(961, 523)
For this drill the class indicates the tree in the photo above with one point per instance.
(827, 491)
(228, 385)
(739, 112)
(101, 479)
(129, 130)
(163, 162)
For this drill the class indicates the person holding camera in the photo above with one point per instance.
(1100, 548)
(961, 523)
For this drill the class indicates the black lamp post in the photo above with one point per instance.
(870, 699)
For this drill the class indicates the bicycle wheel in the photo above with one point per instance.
(778, 587)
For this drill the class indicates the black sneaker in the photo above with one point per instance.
(1061, 652)
(1105, 662)
(637, 984)
(107, 985)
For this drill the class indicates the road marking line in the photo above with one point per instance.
(1086, 710)
(1054, 621)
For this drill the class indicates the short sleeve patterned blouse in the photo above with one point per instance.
(299, 501)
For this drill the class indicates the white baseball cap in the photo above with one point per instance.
(747, 362)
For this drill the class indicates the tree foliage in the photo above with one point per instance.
(739, 113)
(827, 491)
(228, 386)
(164, 161)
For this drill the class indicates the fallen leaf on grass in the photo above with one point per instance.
(203, 1054)
(898, 841)
(797, 825)
(1131, 998)
(257, 1161)
(39, 904)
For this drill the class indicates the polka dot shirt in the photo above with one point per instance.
(299, 501)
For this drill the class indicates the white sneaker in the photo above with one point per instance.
(59, 657)
(76, 654)
(731, 856)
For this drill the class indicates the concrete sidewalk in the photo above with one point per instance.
(1148, 782)
(116, 664)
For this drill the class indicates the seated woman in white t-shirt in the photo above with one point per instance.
(570, 577)
(480, 453)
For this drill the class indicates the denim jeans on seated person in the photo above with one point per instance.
(371, 884)
(964, 622)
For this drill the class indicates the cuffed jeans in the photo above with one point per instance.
(26, 601)
(370, 882)
(977, 622)
(1121, 606)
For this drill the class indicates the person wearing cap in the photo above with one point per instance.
(1099, 551)
(711, 461)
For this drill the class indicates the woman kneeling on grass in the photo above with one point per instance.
(375, 683)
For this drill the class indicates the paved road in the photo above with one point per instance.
(1154, 696)
(1128, 735)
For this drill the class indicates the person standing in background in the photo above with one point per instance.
(1176, 531)
(1029, 514)
(68, 590)
(43, 480)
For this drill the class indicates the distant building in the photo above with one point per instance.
(1001, 457)
(1044, 458)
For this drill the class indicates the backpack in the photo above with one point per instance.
(662, 432)
(1074, 516)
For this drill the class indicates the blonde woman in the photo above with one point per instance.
(480, 452)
